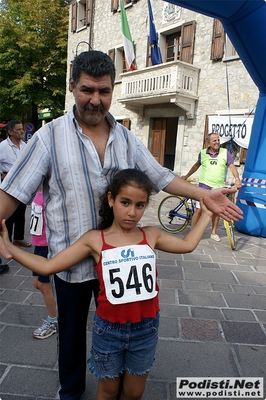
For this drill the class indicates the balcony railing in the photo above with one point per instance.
(175, 82)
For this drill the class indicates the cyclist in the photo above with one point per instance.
(213, 162)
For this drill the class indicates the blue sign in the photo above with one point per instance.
(28, 136)
(29, 127)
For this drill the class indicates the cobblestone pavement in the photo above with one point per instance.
(213, 321)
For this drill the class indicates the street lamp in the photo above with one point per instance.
(84, 42)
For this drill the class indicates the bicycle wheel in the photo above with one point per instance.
(174, 214)
(230, 234)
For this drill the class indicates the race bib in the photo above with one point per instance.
(129, 274)
(36, 220)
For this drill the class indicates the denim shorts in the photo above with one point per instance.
(119, 347)
(41, 251)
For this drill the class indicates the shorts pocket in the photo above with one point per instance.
(101, 364)
(99, 325)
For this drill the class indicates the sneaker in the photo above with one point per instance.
(47, 329)
(4, 268)
(216, 238)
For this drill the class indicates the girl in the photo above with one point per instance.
(125, 330)
(42, 282)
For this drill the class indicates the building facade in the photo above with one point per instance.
(200, 86)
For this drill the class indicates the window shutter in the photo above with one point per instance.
(88, 11)
(114, 5)
(126, 123)
(187, 42)
(243, 155)
(148, 60)
(74, 17)
(111, 54)
(218, 35)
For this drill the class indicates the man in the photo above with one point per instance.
(10, 149)
(3, 267)
(75, 156)
(213, 161)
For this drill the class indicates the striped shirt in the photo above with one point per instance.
(66, 161)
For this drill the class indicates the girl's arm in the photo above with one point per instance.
(8, 205)
(173, 244)
(77, 252)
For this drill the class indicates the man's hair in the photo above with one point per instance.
(11, 125)
(208, 138)
(94, 63)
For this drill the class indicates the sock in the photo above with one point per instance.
(52, 320)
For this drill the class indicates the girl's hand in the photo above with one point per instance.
(5, 242)
(204, 209)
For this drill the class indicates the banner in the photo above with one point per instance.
(238, 128)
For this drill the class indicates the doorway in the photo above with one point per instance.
(163, 141)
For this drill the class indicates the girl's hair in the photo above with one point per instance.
(123, 178)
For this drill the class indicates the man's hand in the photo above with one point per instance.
(219, 204)
(4, 241)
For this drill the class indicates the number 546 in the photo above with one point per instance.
(133, 281)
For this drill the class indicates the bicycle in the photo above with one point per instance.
(229, 225)
(175, 213)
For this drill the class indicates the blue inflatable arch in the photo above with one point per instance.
(245, 24)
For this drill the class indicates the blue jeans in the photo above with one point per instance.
(119, 347)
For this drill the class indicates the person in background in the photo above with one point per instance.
(10, 149)
(75, 156)
(3, 267)
(126, 322)
(213, 162)
(41, 282)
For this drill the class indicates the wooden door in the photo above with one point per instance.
(158, 139)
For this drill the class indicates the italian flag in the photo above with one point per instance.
(127, 40)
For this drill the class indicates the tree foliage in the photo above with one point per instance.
(33, 54)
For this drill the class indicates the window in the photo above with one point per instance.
(115, 4)
(173, 47)
(222, 47)
(125, 122)
(180, 44)
(118, 57)
(81, 14)
(229, 50)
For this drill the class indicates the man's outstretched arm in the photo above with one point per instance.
(215, 200)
